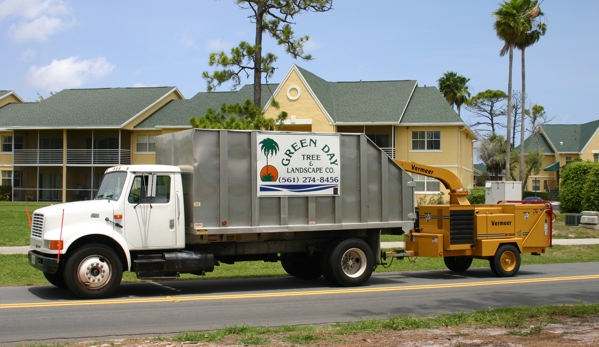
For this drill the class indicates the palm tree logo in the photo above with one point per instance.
(270, 148)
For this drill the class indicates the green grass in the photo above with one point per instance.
(14, 224)
(522, 320)
(15, 271)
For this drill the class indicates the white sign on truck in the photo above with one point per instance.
(299, 165)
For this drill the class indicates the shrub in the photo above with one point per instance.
(477, 196)
(5, 193)
(590, 197)
(574, 177)
(436, 199)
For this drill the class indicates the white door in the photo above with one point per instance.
(151, 223)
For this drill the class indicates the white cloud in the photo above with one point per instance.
(67, 73)
(36, 30)
(35, 19)
(142, 85)
(187, 40)
(219, 45)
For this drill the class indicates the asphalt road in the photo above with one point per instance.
(45, 314)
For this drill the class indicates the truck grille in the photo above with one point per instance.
(37, 225)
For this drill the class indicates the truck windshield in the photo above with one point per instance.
(112, 186)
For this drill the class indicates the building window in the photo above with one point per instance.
(145, 143)
(568, 159)
(426, 140)
(426, 184)
(536, 185)
(8, 145)
(596, 157)
(6, 178)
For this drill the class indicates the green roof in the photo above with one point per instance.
(81, 108)
(362, 101)
(569, 138)
(537, 141)
(178, 112)
(429, 106)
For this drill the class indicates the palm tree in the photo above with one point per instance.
(532, 12)
(510, 25)
(269, 147)
(454, 88)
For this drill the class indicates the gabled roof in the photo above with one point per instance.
(177, 113)
(538, 141)
(7, 93)
(84, 108)
(569, 138)
(362, 102)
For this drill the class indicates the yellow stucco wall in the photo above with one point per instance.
(142, 116)
(5, 157)
(304, 107)
(593, 145)
(8, 99)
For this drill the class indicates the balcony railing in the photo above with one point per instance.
(98, 156)
(37, 156)
(390, 151)
(74, 156)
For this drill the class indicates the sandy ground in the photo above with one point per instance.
(569, 332)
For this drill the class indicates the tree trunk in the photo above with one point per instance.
(522, 122)
(258, 56)
(509, 117)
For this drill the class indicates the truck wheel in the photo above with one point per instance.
(348, 263)
(93, 271)
(458, 264)
(301, 266)
(506, 261)
(56, 279)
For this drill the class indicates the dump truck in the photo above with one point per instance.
(459, 232)
(318, 203)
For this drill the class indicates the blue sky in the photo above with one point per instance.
(50, 45)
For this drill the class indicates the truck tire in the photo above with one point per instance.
(93, 271)
(506, 261)
(301, 266)
(458, 264)
(56, 279)
(348, 263)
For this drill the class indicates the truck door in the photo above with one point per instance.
(150, 222)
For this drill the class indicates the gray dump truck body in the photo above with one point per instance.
(224, 193)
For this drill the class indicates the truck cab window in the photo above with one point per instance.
(112, 186)
(140, 182)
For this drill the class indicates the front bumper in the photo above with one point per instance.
(43, 262)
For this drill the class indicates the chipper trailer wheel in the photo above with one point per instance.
(506, 261)
(458, 264)
(93, 271)
(348, 263)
